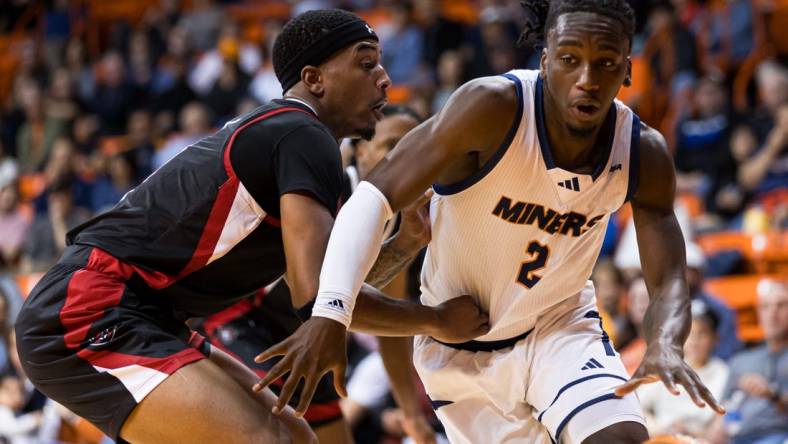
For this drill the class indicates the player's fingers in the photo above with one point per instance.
(632, 385)
(275, 373)
(287, 391)
(310, 386)
(669, 381)
(689, 385)
(706, 394)
(424, 198)
(279, 349)
(339, 380)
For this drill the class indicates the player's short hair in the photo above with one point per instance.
(542, 15)
(321, 33)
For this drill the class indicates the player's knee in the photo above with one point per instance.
(622, 432)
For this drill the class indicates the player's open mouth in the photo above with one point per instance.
(585, 111)
(377, 109)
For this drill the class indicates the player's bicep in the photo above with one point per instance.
(306, 226)
(660, 241)
(476, 117)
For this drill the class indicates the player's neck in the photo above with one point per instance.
(570, 150)
(308, 100)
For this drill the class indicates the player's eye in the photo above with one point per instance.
(567, 59)
(607, 63)
(368, 66)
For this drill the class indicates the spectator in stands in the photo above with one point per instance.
(637, 302)
(728, 342)
(140, 61)
(491, 44)
(230, 47)
(170, 89)
(14, 224)
(669, 414)
(85, 133)
(119, 179)
(610, 290)
(139, 133)
(230, 87)
(450, 76)
(202, 23)
(726, 34)
(757, 389)
(671, 49)
(404, 47)
(61, 103)
(703, 161)
(37, 135)
(763, 157)
(79, 70)
(441, 34)
(46, 246)
(195, 123)
(115, 97)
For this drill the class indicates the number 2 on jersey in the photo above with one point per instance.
(527, 275)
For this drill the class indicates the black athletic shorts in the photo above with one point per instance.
(247, 328)
(95, 342)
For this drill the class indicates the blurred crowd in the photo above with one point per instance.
(95, 95)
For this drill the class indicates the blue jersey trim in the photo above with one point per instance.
(487, 346)
(605, 338)
(575, 382)
(578, 409)
(634, 158)
(484, 170)
(544, 142)
(439, 403)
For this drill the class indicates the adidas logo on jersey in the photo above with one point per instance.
(570, 184)
(592, 363)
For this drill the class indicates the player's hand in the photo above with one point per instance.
(414, 230)
(418, 429)
(459, 320)
(666, 364)
(755, 385)
(317, 347)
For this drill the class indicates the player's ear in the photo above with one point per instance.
(543, 63)
(628, 78)
(312, 78)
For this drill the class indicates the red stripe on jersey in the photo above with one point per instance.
(227, 315)
(322, 412)
(217, 217)
(167, 364)
(90, 292)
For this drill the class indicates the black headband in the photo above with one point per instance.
(319, 51)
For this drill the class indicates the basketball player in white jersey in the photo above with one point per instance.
(527, 169)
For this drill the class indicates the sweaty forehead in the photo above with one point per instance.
(588, 26)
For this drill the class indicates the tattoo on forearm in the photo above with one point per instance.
(391, 261)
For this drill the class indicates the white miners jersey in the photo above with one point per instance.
(522, 234)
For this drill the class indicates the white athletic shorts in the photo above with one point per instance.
(554, 385)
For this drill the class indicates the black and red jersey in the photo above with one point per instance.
(204, 228)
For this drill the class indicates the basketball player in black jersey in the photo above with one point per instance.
(104, 332)
(268, 317)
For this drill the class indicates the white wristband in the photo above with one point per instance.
(334, 306)
(352, 249)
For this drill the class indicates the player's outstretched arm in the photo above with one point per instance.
(470, 127)
(475, 119)
(661, 244)
(306, 225)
